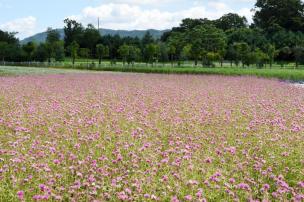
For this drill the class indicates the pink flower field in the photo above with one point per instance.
(137, 137)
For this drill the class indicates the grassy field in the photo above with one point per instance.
(13, 70)
(226, 64)
(282, 74)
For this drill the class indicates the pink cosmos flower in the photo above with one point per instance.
(188, 198)
(243, 186)
(20, 195)
(174, 199)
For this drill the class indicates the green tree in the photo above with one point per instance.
(90, 38)
(172, 52)
(8, 37)
(4, 50)
(29, 49)
(124, 52)
(285, 38)
(147, 39)
(186, 52)
(255, 38)
(271, 53)
(250, 58)
(84, 53)
(152, 52)
(231, 21)
(59, 51)
(261, 58)
(298, 55)
(164, 52)
(242, 50)
(176, 42)
(53, 37)
(205, 39)
(287, 14)
(73, 32)
(73, 50)
(211, 57)
(40, 53)
(231, 55)
(284, 55)
(134, 54)
(102, 51)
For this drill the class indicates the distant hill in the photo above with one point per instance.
(40, 37)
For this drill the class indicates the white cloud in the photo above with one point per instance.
(24, 26)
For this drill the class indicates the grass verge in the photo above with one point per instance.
(282, 74)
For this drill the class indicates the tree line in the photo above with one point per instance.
(276, 35)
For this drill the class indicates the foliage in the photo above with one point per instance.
(91, 37)
(73, 49)
(59, 54)
(73, 32)
(52, 43)
(299, 55)
(8, 37)
(129, 53)
(4, 50)
(29, 49)
(102, 51)
(287, 14)
(231, 21)
(41, 53)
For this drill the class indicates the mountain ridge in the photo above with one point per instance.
(41, 37)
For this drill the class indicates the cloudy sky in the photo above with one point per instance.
(32, 16)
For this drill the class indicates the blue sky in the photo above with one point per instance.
(32, 16)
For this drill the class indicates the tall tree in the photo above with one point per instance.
(231, 55)
(59, 51)
(298, 55)
(4, 50)
(242, 50)
(231, 21)
(285, 55)
(124, 52)
(40, 54)
(164, 52)
(176, 42)
(204, 39)
(73, 50)
(102, 51)
(134, 54)
(10, 49)
(73, 31)
(287, 14)
(255, 38)
(147, 39)
(152, 52)
(53, 37)
(271, 53)
(172, 51)
(90, 38)
(8, 37)
(29, 49)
